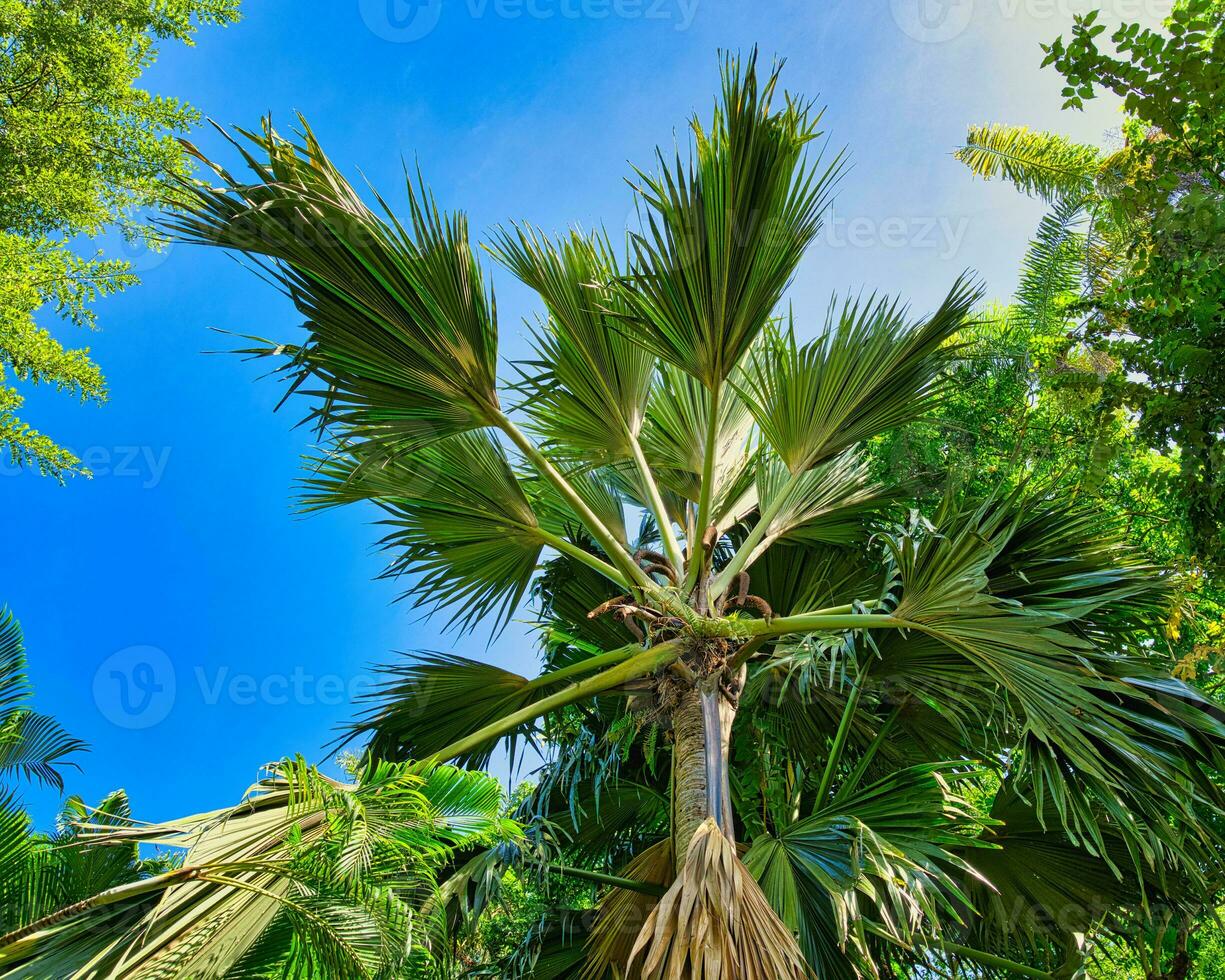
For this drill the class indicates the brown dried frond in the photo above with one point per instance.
(715, 923)
(622, 913)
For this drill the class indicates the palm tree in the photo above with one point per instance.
(32, 745)
(818, 719)
(306, 876)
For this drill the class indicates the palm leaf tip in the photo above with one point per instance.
(723, 234)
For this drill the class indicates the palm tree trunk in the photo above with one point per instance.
(700, 776)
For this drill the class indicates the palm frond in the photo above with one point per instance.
(715, 922)
(610, 943)
(401, 343)
(880, 854)
(458, 522)
(828, 504)
(674, 441)
(436, 699)
(722, 235)
(1038, 889)
(587, 390)
(870, 371)
(36, 746)
(598, 489)
(1053, 270)
(31, 744)
(1047, 165)
(1079, 706)
(316, 864)
(14, 685)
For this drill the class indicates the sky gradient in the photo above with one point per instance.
(179, 617)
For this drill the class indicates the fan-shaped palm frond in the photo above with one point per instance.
(870, 371)
(876, 856)
(724, 234)
(402, 334)
(460, 526)
(589, 396)
(675, 439)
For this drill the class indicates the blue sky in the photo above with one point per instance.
(178, 616)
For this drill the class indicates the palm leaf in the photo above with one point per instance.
(437, 699)
(1079, 707)
(879, 854)
(31, 744)
(610, 943)
(715, 922)
(828, 504)
(36, 746)
(588, 391)
(1044, 164)
(458, 521)
(723, 234)
(401, 347)
(674, 441)
(271, 867)
(14, 686)
(870, 371)
(1053, 270)
(1038, 889)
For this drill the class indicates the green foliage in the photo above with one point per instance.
(82, 150)
(31, 744)
(1046, 165)
(1148, 288)
(897, 582)
(305, 877)
(724, 234)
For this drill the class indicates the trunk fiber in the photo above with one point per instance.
(700, 777)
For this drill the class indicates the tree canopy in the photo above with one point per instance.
(83, 150)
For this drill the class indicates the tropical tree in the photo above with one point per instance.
(1129, 259)
(83, 151)
(800, 728)
(306, 876)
